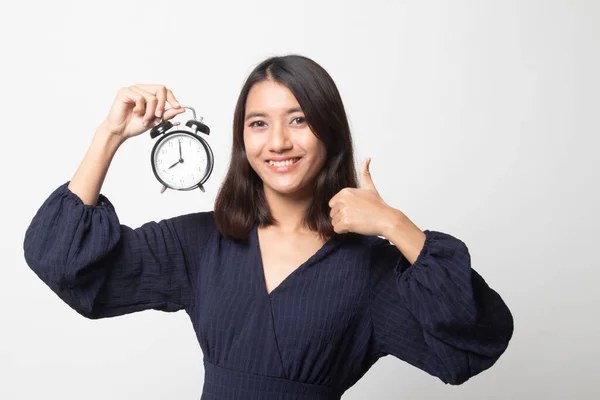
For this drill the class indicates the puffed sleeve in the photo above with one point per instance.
(437, 314)
(102, 268)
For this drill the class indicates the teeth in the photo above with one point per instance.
(283, 163)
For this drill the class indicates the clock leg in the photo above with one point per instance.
(163, 189)
(201, 187)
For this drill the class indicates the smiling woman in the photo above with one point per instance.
(292, 291)
(281, 141)
(288, 109)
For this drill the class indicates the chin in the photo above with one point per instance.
(283, 189)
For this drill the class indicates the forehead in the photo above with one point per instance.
(269, 95)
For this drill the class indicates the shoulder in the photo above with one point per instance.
(200, 219)
(196, 225)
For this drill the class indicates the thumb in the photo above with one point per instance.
(365, 175)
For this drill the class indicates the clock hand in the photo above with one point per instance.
(180, 158)
(173, 165)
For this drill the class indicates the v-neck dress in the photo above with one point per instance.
(355, 300)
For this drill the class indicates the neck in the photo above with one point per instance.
(288, 210)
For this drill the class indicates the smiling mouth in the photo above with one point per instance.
(285, 163)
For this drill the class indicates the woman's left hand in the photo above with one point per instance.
(361, 210)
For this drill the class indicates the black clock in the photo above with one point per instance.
(181, 159)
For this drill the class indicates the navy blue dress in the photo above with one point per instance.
(354, 301)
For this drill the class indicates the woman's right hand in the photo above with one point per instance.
(138, 108)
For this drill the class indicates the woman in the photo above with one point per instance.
(290, 288)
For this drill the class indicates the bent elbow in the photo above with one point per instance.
(458, 375)
(468, 367)
(80, 296)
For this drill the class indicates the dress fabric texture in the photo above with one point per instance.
(355, 300)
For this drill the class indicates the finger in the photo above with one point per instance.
(338, 224)
(334, 211)
(337, 218)
(161, 96)
(157, 88)
(332, 201)
(335, 228)
(160, 91)
(335, 199)
(172, 100)
(151, 103)
(129, 96)
(365, 174)
(171, 112)
(335, 225)
(176, 107)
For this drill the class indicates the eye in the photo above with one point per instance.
(254, 124)
(300, 120)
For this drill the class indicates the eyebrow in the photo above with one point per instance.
(259, 114)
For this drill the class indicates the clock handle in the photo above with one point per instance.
(187, 107)
(164, 125)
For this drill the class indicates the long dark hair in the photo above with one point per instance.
(241, 202)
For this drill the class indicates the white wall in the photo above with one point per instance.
(481, 118)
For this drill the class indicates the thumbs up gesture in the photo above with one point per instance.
(360, 210)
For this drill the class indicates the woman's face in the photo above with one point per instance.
(280, 146)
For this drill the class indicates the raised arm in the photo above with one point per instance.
(134, 110)
(76, 244)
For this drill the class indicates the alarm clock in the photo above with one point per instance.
(181, 159)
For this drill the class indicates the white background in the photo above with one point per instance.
(481, 118)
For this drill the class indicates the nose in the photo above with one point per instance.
(279, 139)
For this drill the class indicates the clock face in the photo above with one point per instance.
(180, 160)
